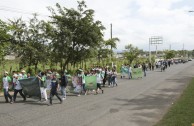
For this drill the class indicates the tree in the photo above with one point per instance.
(74, 33)
(169, 54)
(4, 41)
(192, 53)
(131, 52)
(29, 41)
(112, 43)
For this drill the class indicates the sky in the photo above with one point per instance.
(133, 21)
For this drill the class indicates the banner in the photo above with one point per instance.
(137, 73)
(31, 86)
(91, 83)
(124, 72)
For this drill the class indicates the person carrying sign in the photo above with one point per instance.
(130, 71)
(17, 89)
(99, 81)
(43, 85)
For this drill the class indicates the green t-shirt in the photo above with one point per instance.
(43, 82)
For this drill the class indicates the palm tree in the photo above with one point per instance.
(112, 43)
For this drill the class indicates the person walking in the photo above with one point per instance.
(17, 89)
(54, 88)
(122, 71)
(130, 71)
(6, 80)
(114, 75)
(144, 69)
(63, 84)
(24, 76)
(104, 71)
(99, 81)
(43, 85)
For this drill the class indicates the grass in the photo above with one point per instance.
(182, 112)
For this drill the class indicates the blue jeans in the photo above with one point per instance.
(84, 88)
(63, 91)
(144, 73)
(7, 95)
(113, 81)
(130, 75)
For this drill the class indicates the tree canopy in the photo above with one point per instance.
(131, 52)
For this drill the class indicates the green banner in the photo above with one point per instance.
(124, 70)
(31, 86)
(137, 73)
(91, 83)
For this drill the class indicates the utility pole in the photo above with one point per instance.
(111, 31)
(111, 40)
(183, 50)
(149, 50)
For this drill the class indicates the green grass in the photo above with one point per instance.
(182, 112)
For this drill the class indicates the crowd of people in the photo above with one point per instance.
(52, 82)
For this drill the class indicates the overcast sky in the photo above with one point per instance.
(134, 21)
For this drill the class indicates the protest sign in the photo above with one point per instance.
(31, 86)
(91, 83)
(137, 73)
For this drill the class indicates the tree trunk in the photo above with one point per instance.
(35, 68)
(85, 65)
(61, 65)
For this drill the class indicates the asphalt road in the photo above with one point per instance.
(140, 102)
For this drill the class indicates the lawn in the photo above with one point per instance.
(182, 112)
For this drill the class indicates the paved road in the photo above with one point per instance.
(133, 103)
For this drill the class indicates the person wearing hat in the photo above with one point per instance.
(17, 89)
(24, 76)
(6, 80)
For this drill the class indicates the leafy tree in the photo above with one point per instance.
(29, 42)
(131, 52)
(192, 53)
(4, 41)
(75, 34)
(112, 43)
(169, 54)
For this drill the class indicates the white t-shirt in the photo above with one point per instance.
(18, 86)
(99, 78)
(5, 83)
(48, 82)
(130, 69)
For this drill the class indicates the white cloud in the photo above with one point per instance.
(134, 21)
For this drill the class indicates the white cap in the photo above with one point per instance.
(15, 75)
(6, 72)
